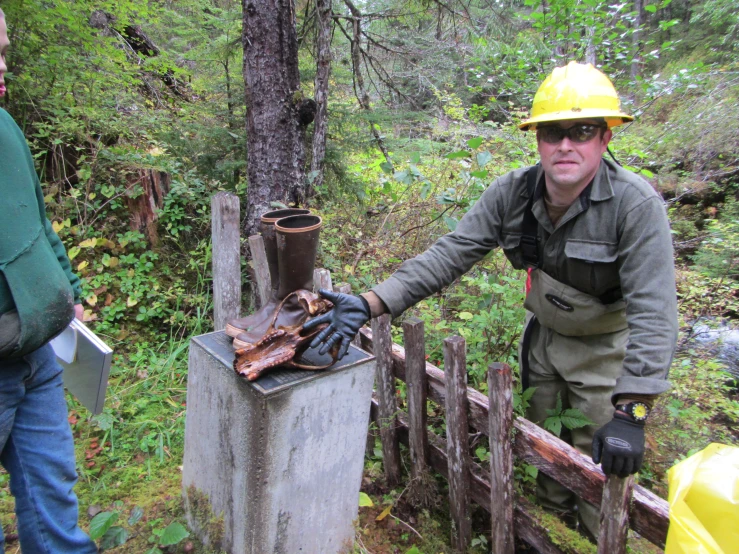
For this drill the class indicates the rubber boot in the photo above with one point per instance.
(267, 227)
(297, 244)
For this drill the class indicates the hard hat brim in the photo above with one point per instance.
(613, 118)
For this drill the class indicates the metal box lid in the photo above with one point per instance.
(218, 344)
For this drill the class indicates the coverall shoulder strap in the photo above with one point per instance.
(530, 226)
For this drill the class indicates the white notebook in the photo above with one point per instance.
(86, 362)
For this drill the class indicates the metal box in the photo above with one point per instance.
(274, 465)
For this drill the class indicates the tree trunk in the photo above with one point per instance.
(636, 37)
(144, 203)
(324, 24)
(359, 89)
(275, 135)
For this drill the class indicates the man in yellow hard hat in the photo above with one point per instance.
(601, 304)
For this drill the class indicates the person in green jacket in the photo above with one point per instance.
(39, 296)
(601, 324)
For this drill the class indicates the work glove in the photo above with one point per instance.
(349, 314)
(620, 444)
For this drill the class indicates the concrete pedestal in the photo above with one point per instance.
(275, 465)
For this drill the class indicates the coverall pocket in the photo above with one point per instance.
(591, 266)
(571, 312)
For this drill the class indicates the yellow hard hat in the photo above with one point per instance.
(576, 91)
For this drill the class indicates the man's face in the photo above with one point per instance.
(570, 165)
(4, 43)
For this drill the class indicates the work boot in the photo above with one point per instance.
(267, 227)
(297, 244)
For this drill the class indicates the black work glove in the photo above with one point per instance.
(620, 443)
(350, 313)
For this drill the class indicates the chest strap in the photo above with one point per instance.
(530, 226)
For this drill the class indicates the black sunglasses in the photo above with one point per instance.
(580, 133)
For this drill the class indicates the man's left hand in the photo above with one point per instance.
(620, 445)
(79, 311)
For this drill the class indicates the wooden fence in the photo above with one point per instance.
(622, 503)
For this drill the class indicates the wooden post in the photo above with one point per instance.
(225, 233)
(261, 269)
(500, 394)
(614, 515)
(322, 279)
(344, 288)
(457, 432)
(385, 385)
(417, 387)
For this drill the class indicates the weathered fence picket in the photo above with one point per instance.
(500, 394)
(385, 386)
(226, 258)
(261, 269)
(457, 432)
(416, 388)
(344, 288)
(614, 515)
(322, 280)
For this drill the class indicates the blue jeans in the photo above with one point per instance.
(37, 450)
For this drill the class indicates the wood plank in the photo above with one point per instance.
(457, 432)
(322, 279)
(226, 237)
(344, 288)
(261, 269)
(417, 384)
(500, 395)
(649, 514)
(614, 515)
(385, 386)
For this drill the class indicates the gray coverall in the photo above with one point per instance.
(610, 258)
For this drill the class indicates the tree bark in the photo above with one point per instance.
(275, 135)
(636, 37)
(324, 24)
(359, 89)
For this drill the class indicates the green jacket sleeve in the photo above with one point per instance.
(646, 269)
(449, 257)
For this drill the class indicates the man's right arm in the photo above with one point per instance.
(449, 257)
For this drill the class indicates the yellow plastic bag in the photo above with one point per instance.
(704, 502)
